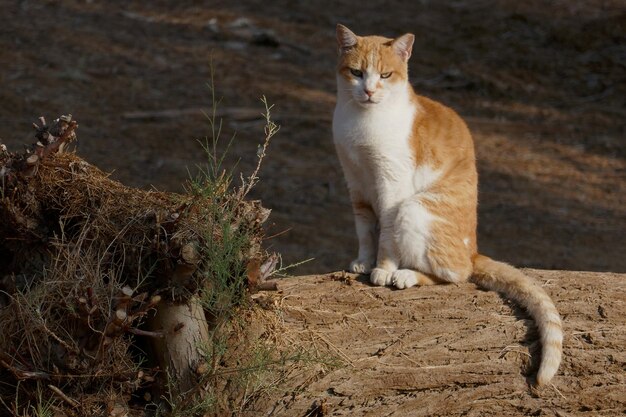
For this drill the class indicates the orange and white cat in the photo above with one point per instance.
(411, 172)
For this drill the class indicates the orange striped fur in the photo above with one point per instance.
(411, 172)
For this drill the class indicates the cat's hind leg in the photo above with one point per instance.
(431, 246)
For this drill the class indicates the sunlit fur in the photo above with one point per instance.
(410, 169)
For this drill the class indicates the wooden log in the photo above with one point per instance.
(185, 329)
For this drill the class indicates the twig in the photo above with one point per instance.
(67, 136)
(369, 323)
(558, 392)
(64, 397)
(335, 348)
(280, 271)
(22, 374)
(407, 357)
(147, 333)
(270, 129)
(512, 348)
(287, 230)
(143, 310)
(268, 267)
(53, 335)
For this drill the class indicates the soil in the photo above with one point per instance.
(541, 85)
(410, 353)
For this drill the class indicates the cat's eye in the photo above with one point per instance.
(385, 75)
(356, 72)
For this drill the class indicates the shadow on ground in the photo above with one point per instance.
(541, 86)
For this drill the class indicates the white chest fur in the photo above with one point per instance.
(375, 148)
(376, 140)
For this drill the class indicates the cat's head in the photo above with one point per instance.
(372, 68)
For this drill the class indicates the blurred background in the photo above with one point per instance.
(542, 85)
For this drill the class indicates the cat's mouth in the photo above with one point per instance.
(368, 102)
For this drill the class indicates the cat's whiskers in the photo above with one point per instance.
(347, 102)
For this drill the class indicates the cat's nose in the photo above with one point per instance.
(369, 92)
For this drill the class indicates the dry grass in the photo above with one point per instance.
(85, 259)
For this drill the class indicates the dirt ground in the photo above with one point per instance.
(541, 85)
(407, 353)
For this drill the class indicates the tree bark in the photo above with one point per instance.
(179, 352)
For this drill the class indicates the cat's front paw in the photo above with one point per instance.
(380, 277)
(404, 278)
(359, 266)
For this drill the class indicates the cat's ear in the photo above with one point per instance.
(346, 39)
(404, 45)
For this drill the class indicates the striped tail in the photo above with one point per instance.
(503, 278)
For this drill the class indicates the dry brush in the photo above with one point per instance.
(104, 288)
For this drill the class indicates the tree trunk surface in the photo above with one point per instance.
(446, 350)
(185, 337)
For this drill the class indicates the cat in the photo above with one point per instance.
(410, 168)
